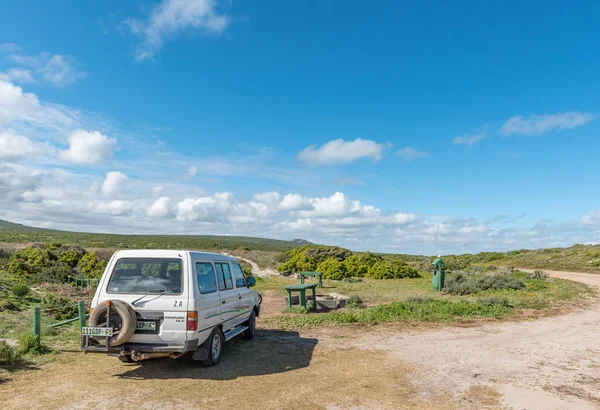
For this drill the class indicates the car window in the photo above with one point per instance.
(224, 274)
(206, 277)
(146, 275)
(238, 274)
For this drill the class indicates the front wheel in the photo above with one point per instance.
(251, 331)
(215, 347)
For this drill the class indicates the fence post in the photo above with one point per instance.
(81, 309)
(37, 325)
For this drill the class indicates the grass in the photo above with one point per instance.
(415, 300)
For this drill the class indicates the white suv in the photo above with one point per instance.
(165, 303)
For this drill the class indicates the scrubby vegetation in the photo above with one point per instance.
(16, 233)
(339, 263)
(461, 283)
(54, 263)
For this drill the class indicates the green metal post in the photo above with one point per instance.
(314, 301)
(303, 298)
(289, 298)
(37, 323)
(320, 280)
(81, 309)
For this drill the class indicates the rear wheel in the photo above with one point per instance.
(214, 347)
(251, 331)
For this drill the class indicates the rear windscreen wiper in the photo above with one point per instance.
(158, 292)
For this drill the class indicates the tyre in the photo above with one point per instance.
(126, 359)
(122, 319)
(251, 323)
(215, 348)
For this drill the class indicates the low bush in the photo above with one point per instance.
(466, 284)
(59, 307)
(538, 274)
(355, 302)
(419, 299)
(8, 305)
(29, 344)
(20, 289)
(9, 356)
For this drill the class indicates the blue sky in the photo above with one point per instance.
(398, 127)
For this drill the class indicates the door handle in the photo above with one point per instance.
(223, 302)
(239, 296)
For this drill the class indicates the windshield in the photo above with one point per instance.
(146, 275)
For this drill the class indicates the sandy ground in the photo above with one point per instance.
(550, 363)
(256, 270)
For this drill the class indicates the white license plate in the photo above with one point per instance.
(97, 331)
(145, 325)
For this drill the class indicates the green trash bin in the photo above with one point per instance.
(438, 280)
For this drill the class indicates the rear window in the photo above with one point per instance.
(146, 275)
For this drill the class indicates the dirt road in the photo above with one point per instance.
(551, 363)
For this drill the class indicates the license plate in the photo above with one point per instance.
(146, 325)
(97, 331)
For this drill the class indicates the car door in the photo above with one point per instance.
(245, 295)
(208, 300)
(228, 293)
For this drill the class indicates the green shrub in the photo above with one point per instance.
(465, 284)
(355, 302)
(8, 305)
(332, 269)
(56, 272)
(91, 266)
(20, 289)
(59, 307)
(394, 269)
(29, 344)
(9, 356)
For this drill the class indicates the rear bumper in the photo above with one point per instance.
(127, 348)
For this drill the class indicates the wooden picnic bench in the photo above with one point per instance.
(319, 275)
(301, 288)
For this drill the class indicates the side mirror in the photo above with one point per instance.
(251, 281)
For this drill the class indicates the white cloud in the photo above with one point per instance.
(340, 152)
(468, 139)
(16, 104)
(18, 75)
(408, 154)
(541, 124)
(591, 218)
(171, 18)
(114, 208)
(9, 48)
(15, 147)
(55, 69)
(157, 190)
(160, 208)
(114, 183)
(191, 171)
(89, 148)
(294, 202)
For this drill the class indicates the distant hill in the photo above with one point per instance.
(18, 233)
(301, 241)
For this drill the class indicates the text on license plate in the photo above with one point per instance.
(97, 331)
(145, 325)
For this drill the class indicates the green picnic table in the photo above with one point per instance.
(301, 287)
(318, 274)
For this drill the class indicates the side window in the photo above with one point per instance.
(238, 274)
(223, 271)
(206, 278)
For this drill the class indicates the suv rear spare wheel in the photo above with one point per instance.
(122, 319)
